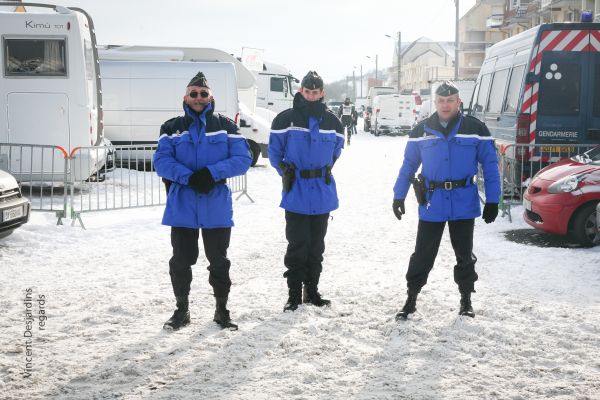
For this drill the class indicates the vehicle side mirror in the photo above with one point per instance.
(531, 77)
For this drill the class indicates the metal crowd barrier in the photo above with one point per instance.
(518, 163)
(90, 179)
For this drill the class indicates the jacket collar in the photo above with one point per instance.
(309, 108)
(434, 127)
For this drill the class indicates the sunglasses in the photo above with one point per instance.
(203, 94)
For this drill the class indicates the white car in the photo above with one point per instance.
(14, 208)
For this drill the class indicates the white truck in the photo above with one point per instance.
(50, 92)
(275, 87)
(144, 87)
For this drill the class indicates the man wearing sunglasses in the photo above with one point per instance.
(305, 142)
(196, 153)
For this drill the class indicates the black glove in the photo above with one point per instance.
(490, 212)
(202, 181)
(398, 208)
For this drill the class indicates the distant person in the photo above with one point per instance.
(196, 153)
(346, 114)
(448, 147)
(304, 144)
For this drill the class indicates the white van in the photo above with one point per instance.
(373, 92)
(139, 96)
(49, 90)
(275, 91)
(234, 90)
(542, 86)
(393, 114)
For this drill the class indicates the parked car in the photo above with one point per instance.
(562, 198)
(14, 208)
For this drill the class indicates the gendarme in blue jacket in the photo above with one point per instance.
(190, 143)
(450, 158)
(309, 143)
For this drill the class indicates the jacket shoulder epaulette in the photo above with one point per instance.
(418, 130)
(174, 125)
(475, 126)
(283, 119)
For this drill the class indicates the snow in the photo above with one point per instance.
(536, 334)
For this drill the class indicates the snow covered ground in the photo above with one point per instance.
(107, 293)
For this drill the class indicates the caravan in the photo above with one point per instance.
(133, 116)
(542, 87)
(49, 91)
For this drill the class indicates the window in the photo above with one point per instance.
(514, 89)
(560, 89)
(89, 59)
(482, 94)
(35, 57)
(597, 92)
(497, 92)
(277, 84)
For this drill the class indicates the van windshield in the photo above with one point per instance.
(560, 90)
(35, 57)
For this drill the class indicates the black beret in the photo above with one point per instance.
(199, 80)
(446, 89)
(312, 80)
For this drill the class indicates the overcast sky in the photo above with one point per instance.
(330, 36)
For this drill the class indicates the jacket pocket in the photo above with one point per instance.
(217, 148)
(465, 151)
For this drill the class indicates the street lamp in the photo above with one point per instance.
(456, 42)
(376, 58)
(399, 55)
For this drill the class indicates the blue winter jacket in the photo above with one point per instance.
(190, 143)
(308, 141)
(449, 158)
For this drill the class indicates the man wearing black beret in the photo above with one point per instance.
(448, 147)
(196, 154)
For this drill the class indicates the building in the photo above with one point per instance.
(422, 61)
(520, 15)
(478, 29)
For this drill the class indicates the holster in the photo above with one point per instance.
(418, 184)
(328, 174)
(288, 175)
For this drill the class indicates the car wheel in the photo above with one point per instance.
(255, 150)
(584, 226)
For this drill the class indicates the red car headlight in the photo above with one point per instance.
(566, 184)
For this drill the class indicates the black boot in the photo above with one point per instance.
(465, 304)
(181, 316)
(294, 300)
(222, 314)
(312, 296)
(409, 307)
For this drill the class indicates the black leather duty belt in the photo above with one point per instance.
(447, 185)
(312, 173)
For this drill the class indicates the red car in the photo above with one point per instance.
(563, 198)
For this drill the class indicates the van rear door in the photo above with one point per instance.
(593, 127)
(562, 102)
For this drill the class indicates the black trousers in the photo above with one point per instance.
(429, 236)
(306, 243)
(185, 254)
